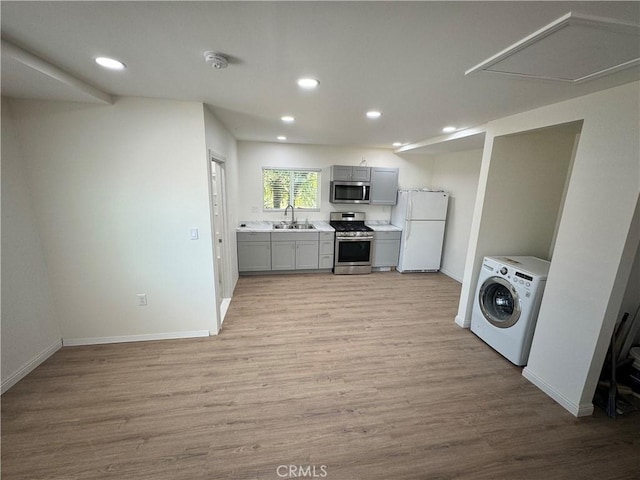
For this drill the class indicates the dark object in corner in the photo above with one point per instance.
(608, 395)
(613, 387)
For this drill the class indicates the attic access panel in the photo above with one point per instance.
(574, 48)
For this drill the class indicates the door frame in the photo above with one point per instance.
(221, 269)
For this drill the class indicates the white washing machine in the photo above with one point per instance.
(507, 302)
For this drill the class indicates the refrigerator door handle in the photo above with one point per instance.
(408, 225)
(409, 209)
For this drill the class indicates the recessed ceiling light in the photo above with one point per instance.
(110, 63)
(281, 137)
(308, 83)
(397, 144)
(287, 119)
(449, 129)
(374, 114)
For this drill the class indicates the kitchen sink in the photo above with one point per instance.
(295, 226)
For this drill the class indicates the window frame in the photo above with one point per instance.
(291, 170)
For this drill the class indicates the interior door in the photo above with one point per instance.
(221, 255)
(218, 226)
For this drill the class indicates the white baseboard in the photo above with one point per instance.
(451, 275)
(224, 307)
(31, 365)
(573, 408)
(70, 342)
(461, 322)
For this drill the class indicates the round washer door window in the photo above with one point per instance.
(499, 302)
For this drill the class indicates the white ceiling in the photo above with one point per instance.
(406, 59)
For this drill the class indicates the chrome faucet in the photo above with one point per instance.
(293, 218)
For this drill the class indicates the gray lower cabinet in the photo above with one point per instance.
(284, 251)
(325, 260)
(294, 250)
(254, 252)
(386, 249)
(283, 255)
(306, 255)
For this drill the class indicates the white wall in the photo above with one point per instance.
(220, 142)
(591, 257)
(414, 173)
(457, 173)
(116, 190)
(524, 191)
(30, 330)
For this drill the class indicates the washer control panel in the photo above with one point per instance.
(519, 278)
(523, 279)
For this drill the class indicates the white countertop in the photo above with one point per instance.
(323, 227)
(255, 226)
(382, 226)
(265, 226)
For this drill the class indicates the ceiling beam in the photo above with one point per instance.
(465, 133)
(36, 63)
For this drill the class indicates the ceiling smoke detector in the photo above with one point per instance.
(216, 60)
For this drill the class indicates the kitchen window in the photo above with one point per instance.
(299, 187)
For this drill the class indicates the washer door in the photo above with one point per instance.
(499, 302)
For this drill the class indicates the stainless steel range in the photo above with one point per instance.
(353, 243)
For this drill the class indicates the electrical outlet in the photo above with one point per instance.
(142, 299)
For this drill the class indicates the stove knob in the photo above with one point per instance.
(504, 270)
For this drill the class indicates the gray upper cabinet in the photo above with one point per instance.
(384, 186)
(350, 174)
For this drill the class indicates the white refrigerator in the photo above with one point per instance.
(422, 215)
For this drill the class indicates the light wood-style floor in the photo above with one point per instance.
(361, 377)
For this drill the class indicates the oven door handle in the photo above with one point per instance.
(354, 239)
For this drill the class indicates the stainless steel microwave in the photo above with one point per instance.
(349, 192)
